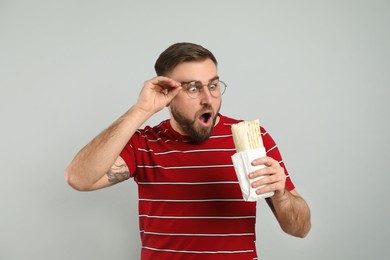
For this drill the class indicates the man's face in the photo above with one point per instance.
(195, 117)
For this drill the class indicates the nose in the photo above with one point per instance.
(205, 95)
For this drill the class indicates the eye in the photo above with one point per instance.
(213, 86)
(192, 88)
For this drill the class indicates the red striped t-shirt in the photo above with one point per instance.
(190, 202)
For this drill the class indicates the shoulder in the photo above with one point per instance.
(228, 120)
(224, 125)
(153, 130)
(150, 133)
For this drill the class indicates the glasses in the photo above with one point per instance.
(193, 88)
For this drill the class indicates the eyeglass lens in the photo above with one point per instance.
(216, 88)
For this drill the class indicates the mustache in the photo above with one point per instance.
(206, 107)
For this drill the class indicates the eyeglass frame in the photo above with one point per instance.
(199, 86)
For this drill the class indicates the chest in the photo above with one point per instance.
(174, 161)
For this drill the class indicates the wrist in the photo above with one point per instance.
(281, 194)
(139, 112)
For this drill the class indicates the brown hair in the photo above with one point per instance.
(179, 53)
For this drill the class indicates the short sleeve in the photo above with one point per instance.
(272, 150)
(128, 154)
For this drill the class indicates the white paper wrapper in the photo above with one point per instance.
(242, 162)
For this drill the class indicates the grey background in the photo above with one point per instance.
(316, 74)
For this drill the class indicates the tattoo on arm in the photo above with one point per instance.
(118, 173)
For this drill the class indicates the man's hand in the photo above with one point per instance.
(274, 176)
(290, 209)
(99, 164)
(156, 94)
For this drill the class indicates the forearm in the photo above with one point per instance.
(97, 157)
(96, 160)
(292, 213)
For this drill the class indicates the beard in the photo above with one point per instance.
(197, 134)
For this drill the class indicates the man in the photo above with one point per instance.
(190, 202)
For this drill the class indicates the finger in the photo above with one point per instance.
(265, 185)
(277, 186)
(268, 179)
(268, 185)
(260, 182)
(165, 82)
(260, 172)
(266, 170)
(171, 91)
(267, 161)
(267, 188)
(276, 172)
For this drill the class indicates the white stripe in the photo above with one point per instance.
(185, 167)
(204, 200)
(220, 136)
(199, 235)
(189, 183)
(196, 217)
(155, 140)
(228, 123)
(169, 140)
(187, 151)
(271, 149)
(198, 252)
(197, 151)
(158, 139)
(145, 150)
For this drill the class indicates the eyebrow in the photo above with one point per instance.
(188, 82)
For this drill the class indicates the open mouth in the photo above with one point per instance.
(205, 117)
